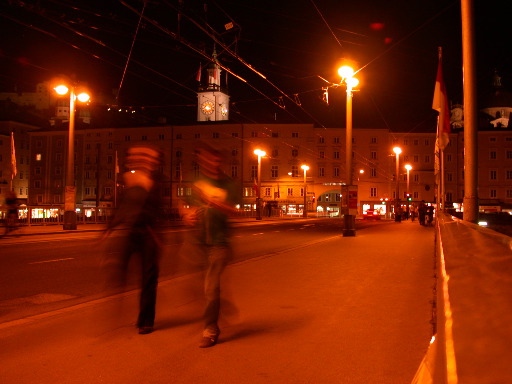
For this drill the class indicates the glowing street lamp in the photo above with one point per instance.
(346, 73)
(70, 189)
(398, 217)
(305, 210)
(260, 154)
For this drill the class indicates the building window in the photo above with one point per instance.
(416, 178)
(493, 194)
(215, 135)
(416, 158)
(373, 155)
(295, 134)
(415, 195)
(373, 140)
(427, 158)
(449, 157)
(492, 139)
(509, 193)
(177, 171)
(179, 136)
(321, 171)
(267, 191)
(406, 141)
(373, 192)
(275, 134)
(373, 172)
(509, 175)
(234, 171)
(416, 142)
(295, 152)
(336, 155)
(275, 153)
(449, 176)
(197, 135)
(234, 152)
(234, 134)
(144, 138)
(492, 155)
(161, 136)
(254, 134)
(290, 191)
(274, 171)
(493, 174)
(509, 155)
(127, 138)
(336, 140)
(295, 171)
(321, 139)
(38, 157)
(254, 172)
(336, 172)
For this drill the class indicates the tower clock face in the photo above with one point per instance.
(207, 107)
(223, 109)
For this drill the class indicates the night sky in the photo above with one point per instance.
(282, 49)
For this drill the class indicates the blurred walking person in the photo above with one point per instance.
(214, 197)
(138, 212)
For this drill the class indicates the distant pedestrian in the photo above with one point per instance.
(213, 200)
(11, 217)
(429, 215)
(422, 211)
(139, 211)
(412, 212)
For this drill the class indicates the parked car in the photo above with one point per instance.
(371, 214)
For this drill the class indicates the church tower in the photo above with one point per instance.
(212, 98)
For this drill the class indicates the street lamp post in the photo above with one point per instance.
(347, 74)
(408, 167)
(398, 217)
(260, 154)
(70, 189)
(305, 210)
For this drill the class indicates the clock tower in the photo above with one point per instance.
(212, 98)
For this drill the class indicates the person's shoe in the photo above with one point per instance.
(210, 338)
(145, 330)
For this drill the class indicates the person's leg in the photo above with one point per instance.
(149, 283)
(218, 256)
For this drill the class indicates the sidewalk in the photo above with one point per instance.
(340, 310)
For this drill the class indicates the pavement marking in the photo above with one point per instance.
(52, 261)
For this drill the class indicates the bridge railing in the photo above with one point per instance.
(473, 337)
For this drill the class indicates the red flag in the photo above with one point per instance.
(198, 77)
(440, 104)
(14, 170)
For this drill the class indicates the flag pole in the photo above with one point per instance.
(441, 150)
(14, 170)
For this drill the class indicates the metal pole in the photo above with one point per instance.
(258, 199)
(470, 114)
(349, 229)
(70, 192)
(398, 218)
(305, 210)
(408, 192)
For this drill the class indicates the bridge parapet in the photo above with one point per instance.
(473, 340)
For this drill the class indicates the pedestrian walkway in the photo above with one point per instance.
(341, 310)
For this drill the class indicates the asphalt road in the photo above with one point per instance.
(44, 272)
